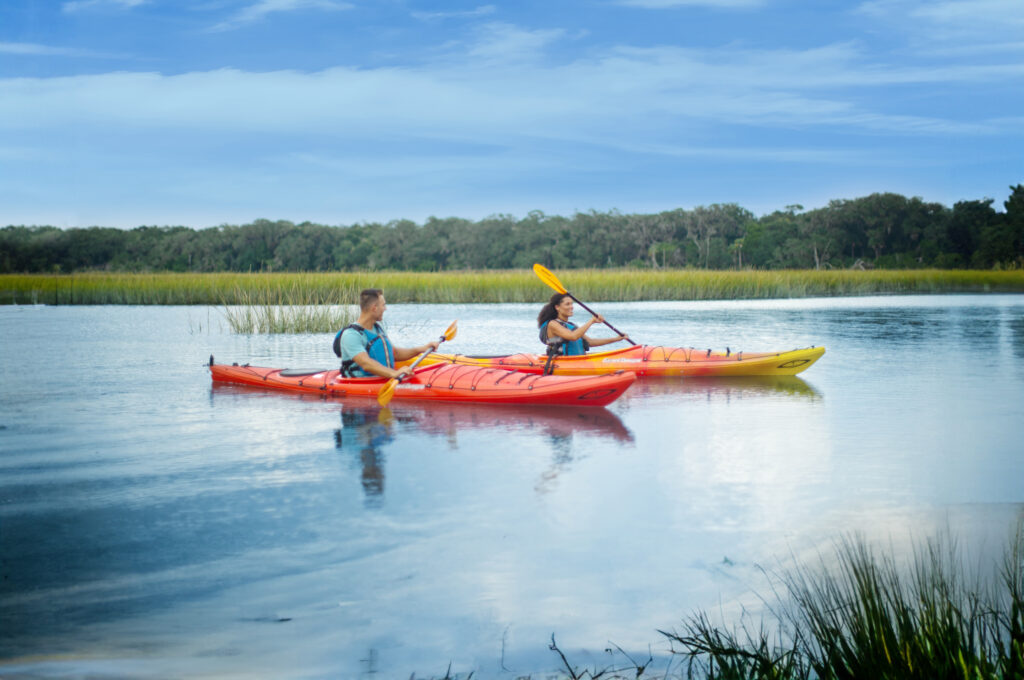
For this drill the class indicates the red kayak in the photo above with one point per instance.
(441, 382)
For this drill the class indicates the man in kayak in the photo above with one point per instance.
(556, 329)
(365, 349)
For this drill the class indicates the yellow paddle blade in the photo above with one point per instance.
(386, 392)
(547, 277)
(450, 333)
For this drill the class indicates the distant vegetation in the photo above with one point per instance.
(288, 308)
(265, 290)
(882, 231)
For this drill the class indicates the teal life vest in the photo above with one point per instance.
(564, 347)
(381, 352)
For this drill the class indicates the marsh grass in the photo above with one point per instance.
(286, 310)
(867, 616)
(493, 286)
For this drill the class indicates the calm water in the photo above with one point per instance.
(152, 525)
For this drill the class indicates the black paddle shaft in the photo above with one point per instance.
(593, 313)
(424, 355)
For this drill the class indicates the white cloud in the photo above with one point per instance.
(507, 43)
(259, 11)
(378, 166)
(483, 10)
(950, 20)
(36, 50)
(962, 49)
(645, 99)
(80, 5)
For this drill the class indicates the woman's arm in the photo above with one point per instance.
(566, 334)
(604, 341)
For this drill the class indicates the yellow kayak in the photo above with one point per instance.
(647, 360)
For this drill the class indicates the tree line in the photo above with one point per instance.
(883, 230)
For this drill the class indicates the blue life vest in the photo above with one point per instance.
(381, 352)
(568, 348)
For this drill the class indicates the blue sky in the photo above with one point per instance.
(205, 112)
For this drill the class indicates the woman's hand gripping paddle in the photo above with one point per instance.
(552, 281)
(388, 391)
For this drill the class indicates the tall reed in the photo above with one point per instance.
(869, 617)
(105, 288)
(286, 310)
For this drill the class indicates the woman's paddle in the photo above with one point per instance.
(388, 391)
(552, 281)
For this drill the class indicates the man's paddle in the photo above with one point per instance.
(552, 281)
(388, 391)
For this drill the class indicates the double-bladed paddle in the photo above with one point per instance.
(388, 391)
(552, 281)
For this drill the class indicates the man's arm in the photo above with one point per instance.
(404, 353)
(370, 365)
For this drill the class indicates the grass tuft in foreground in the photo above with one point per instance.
(867, 617)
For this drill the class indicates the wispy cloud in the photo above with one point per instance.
(260, 10)
(481, 11)
(424, 165)
(36, 50)
(503, 42)
(950, 20)
(648, 97)
(671, 4)
(965, 49)
(81, 5)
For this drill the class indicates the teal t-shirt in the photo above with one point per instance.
(352, 343)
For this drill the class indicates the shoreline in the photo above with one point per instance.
(489, 286)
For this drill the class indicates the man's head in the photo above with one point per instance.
(372, 301)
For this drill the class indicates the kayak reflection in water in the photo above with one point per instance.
(563, 337)
(364, 432)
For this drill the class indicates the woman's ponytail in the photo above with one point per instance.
(548, 311)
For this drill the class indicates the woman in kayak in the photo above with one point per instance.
(556, 329)
(365, 349)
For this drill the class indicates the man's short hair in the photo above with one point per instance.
(368, 298)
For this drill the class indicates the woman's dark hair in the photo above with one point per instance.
(548, 312)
